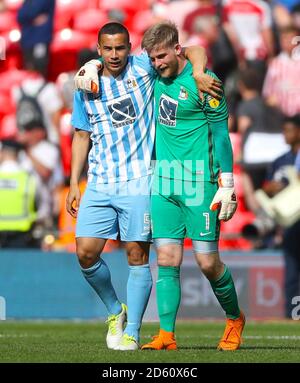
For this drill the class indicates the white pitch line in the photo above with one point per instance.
(20, 335)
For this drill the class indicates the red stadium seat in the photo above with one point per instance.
(90, 20)
(188, 244)
(7, 21)
(124, 4)
(10, 42)
(236, 142)
(11, 37)
(142, 21)
(62, 20)
(231, 232)
(65, 130)
(239, 243)
(93, 3)
(4, 98)
(70, 6)
(65, 11)
(135, 39)
(129, 8)
(8, 127)
(64, 51)
(237, 222)
(71, 41)
(13, 5)
(13, 59)
(238, 186)
(11, 78)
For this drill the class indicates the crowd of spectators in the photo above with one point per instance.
(252, 45)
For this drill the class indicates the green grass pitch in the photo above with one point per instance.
(80, 342)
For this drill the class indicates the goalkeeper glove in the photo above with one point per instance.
(225, 198)
(86, 78)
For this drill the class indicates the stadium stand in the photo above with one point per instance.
(7, 21)
(13, 5)
(75, 28)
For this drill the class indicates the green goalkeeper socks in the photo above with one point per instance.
(225, 292)
(168, 294)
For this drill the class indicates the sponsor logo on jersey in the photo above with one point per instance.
(183, 94)
(121, 112)
(167, 110)
(213, 102)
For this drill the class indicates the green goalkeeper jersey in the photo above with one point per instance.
(184, 141)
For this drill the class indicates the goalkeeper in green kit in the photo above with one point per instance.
(193, 186)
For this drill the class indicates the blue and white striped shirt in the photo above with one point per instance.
(121, 122)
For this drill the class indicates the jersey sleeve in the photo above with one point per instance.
(79, 119)
(215, 110)
(143, 61)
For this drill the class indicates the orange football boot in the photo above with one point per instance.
(163, 341)
(232, 337)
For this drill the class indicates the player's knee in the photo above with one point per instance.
(209, 268)
(137, 257)
(86, 256)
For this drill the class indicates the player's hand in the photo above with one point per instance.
(225, 198)
(208, 84)
(73, 200)
(86, 78)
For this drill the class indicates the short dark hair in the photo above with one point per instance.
(32, 125)
(112, 29)
(11, 144)
(295, 120)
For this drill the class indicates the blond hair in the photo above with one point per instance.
(164, 34)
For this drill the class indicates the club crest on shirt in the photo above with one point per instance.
(213, 102)
(131, 83)
(183, 94)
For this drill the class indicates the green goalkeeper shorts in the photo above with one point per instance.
(180, 209)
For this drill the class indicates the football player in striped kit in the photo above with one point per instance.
(119, 120)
